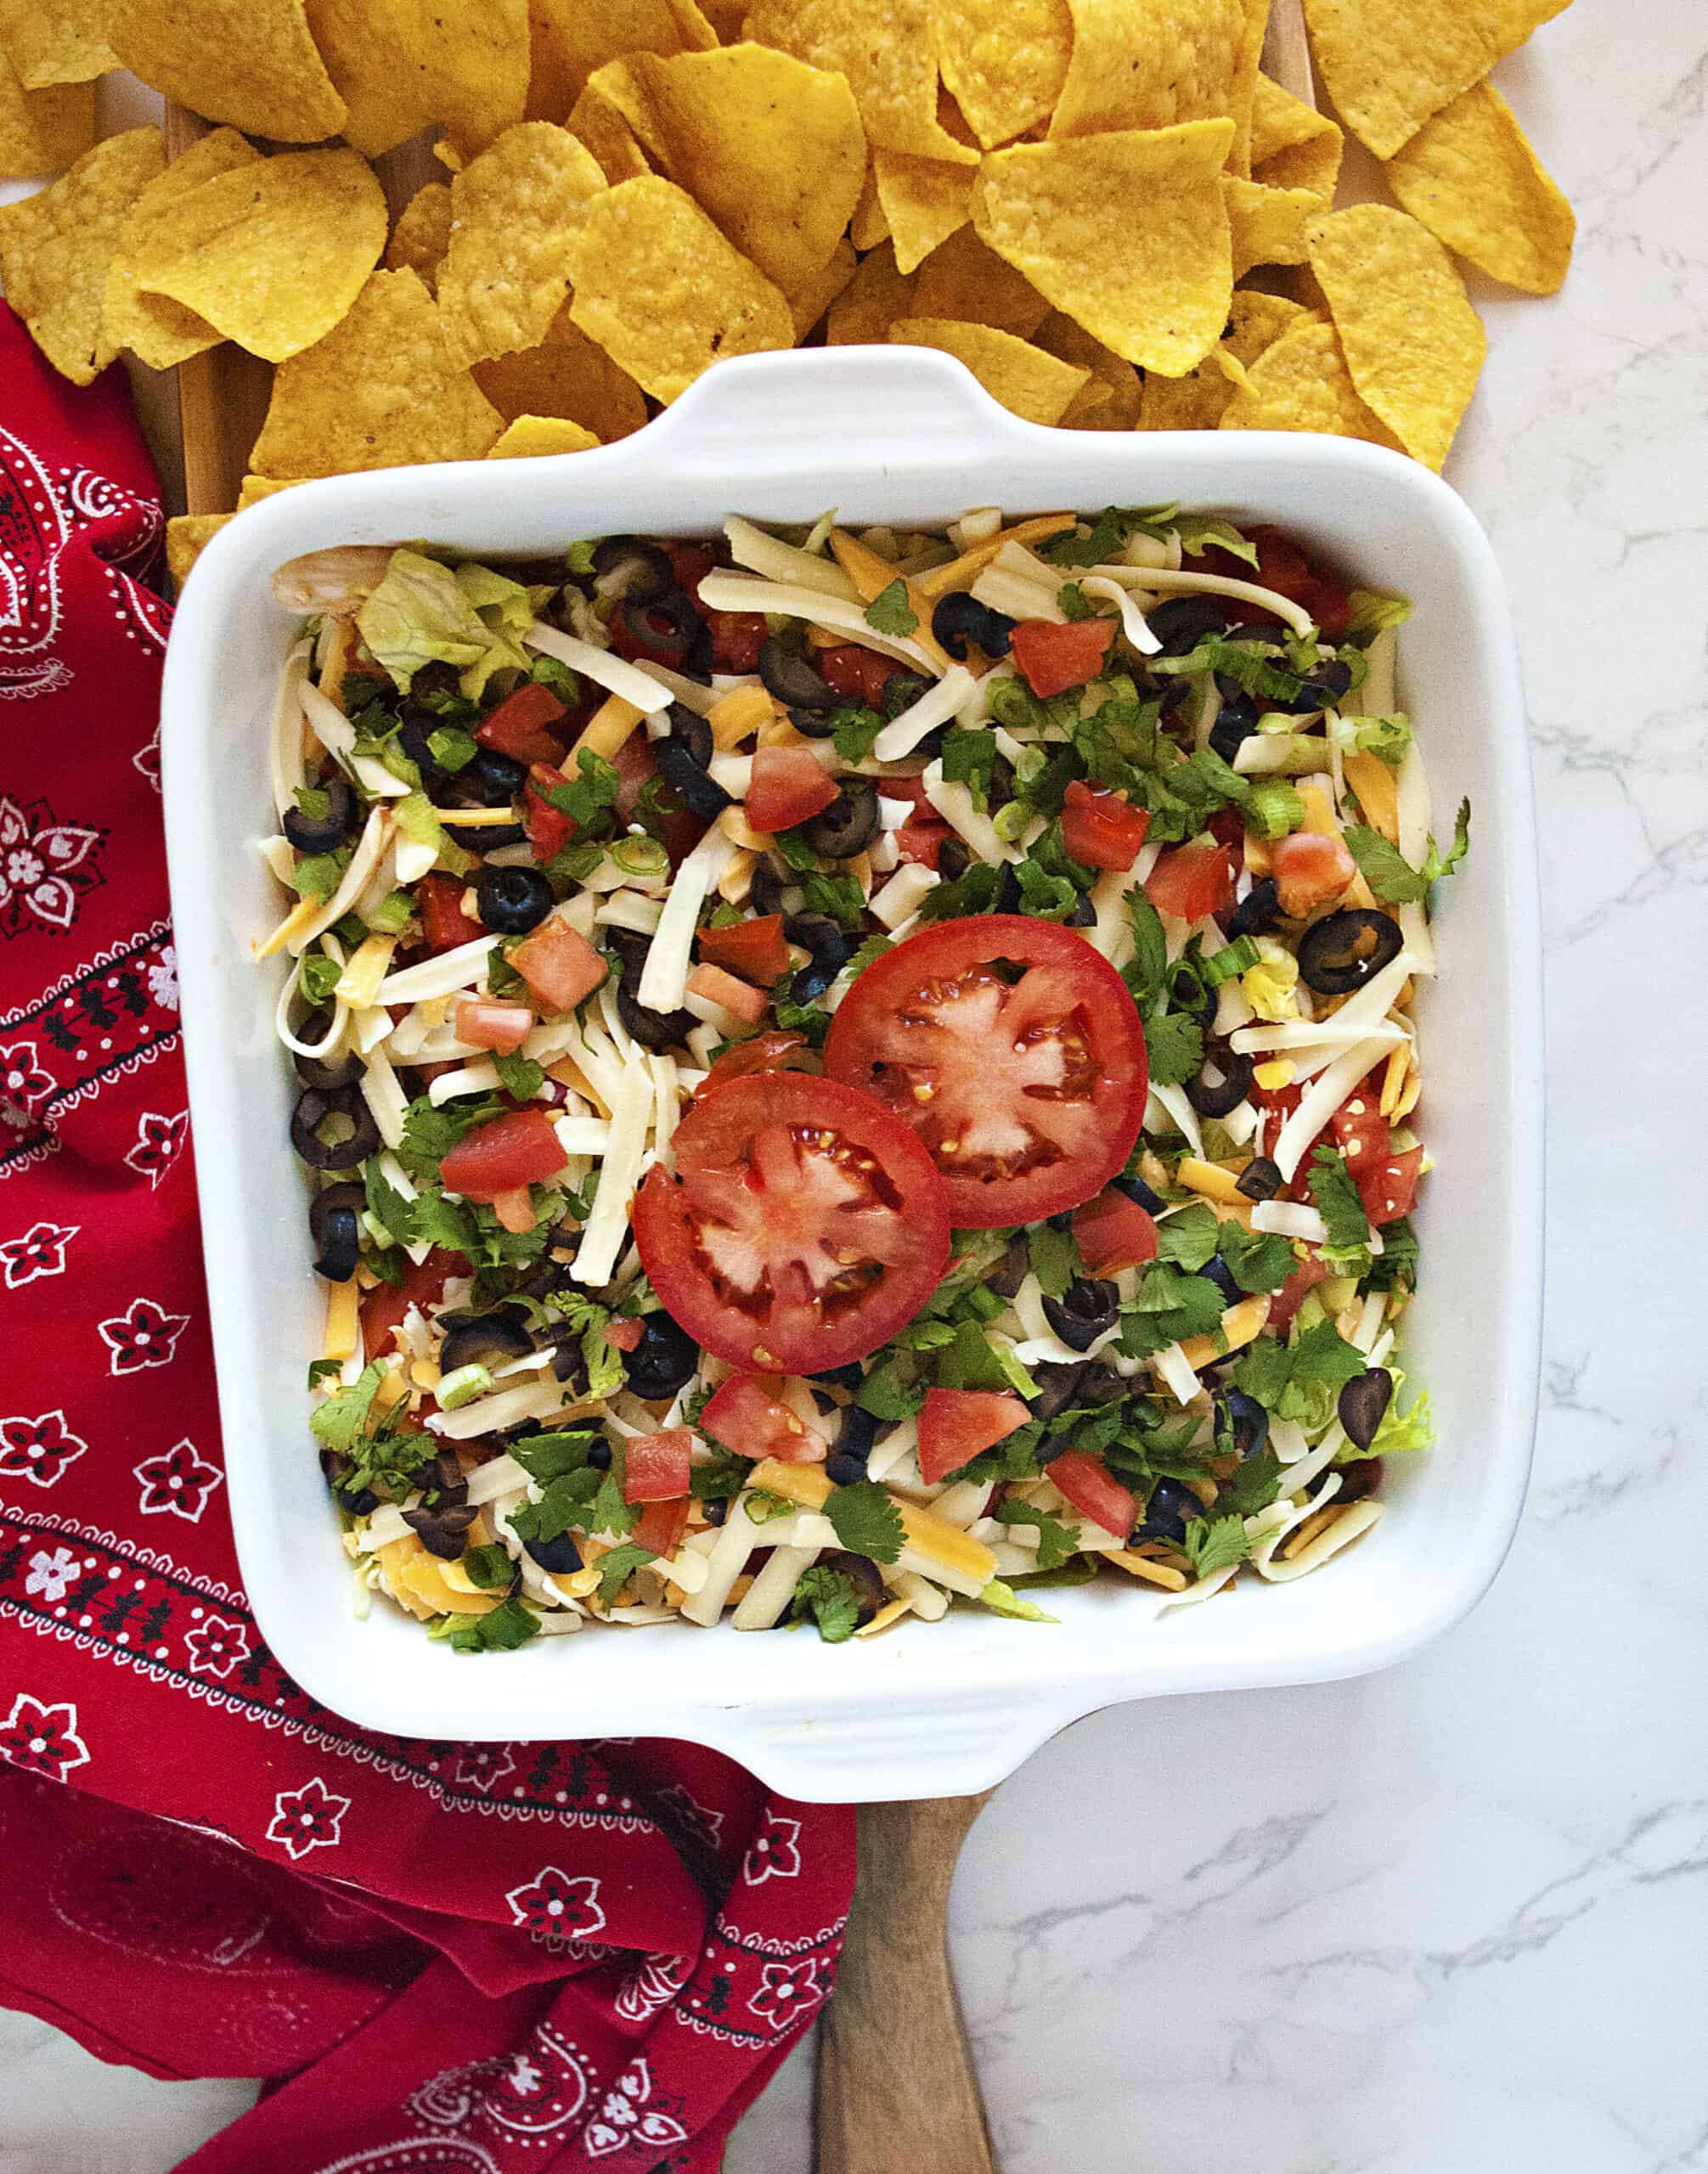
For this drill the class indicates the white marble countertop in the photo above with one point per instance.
(1451, 1919)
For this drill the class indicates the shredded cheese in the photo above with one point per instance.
(453, 971)
(664, 978)
(721, 592)
(935, 707)
(606, 1229)
(611, 673)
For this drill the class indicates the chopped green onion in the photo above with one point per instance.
(462, 1386)
(1232, 959)
(391, 915)
(642, 857)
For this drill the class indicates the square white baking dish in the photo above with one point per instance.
(903, 435)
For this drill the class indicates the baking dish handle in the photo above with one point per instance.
(771, 411)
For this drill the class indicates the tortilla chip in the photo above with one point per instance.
(925, 200)
(868, 227)
(808, 304)
(51, 42)
(770, 147)
(568, 377)
(515, 211)
(1148, 64)
(1302, 383)
(1412, 342)
(1389, 64)
(1110, 398)
(42, 131)
(962, 278)
(157, 330)
(56, 246)
(1256, 321)
(1244, 87)
(662, 292)
(531, 436)
(255, 488)
(249, 62)
(1004, 61)
(1470, 176)
(1268, 225)
(187, 535)
(1196, 402)
(1293, 145)
(872, 301)
(404, 64)
(271, 253)
(421, 233)
(384, 388)
(1126, 233)
(573, 37)
(883, 47)
(726, 17)
(608, 136)
(1026, 380)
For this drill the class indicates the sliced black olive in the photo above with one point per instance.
(1325, 686)
(488, 838)
(625, 566)
(785, 673)
(1258, 910)
(1056, 1383)
(901, 691)
(630, 946)
(599, 1456)
(1098, 1384)
(1362, 1403)
(1009, 894)
(1082, 914)
(1359, 1479)
(1180, 623)
(1216, 1271)
(1172, 1504)
(689, 779)
(490, 781)
(812, 724)
(857, 1432)
(1187, 993)
(413, 736)
(1011, 1271)
(445, 1478)
(568, 1360)
(766, 894)
(662, 627)
(442, 1529)
(320, 833)
(1236, 721)
(830, 948)
(335, 1224)
(328, 1074)
(1222, 1083)
(848, 1377)
(512, 900)
(960, 621)
(653, 1030)
(337, 1467)
(1342, 951)
(664, 1359)
(700, 657)
(557, 1557)
(1173, 691)
(1147, 1196)
(1249, 1421)
(1260, 1179)
(491, 1340)
(690, 731)
(715, 1508)
(1090, 1308)
(844, 1470)
(954, 858)
(344, 1113)
(863, 1574)
(846, 826)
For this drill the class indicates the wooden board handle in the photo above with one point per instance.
(896, 2089)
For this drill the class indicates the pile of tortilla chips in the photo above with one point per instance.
(1103, 208)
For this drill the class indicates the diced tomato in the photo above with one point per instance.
(1310, 871)
(385, 1306)
(1190, 882)
(444, 922)
(501, 1027)
(1228, 827)
(655, 1467)
(1101, 828)
(660, 1526)
(514, 1208)
(518, 1149)
(746, 1417)
(748, 1004)
(1055, 658)
(558, 965)
(549, 829)
(1283, 568)
(755, 949)
(636, 765)
(858, 674)
(777, 1050)
(911, 790)
(1361, 1130)
(956, 1424)
(1389, 1189)
(625, 1332)
(789, 786)
(516, 728)
(1113, 1232)
(650, 631)
(922, 842)
(737, 638)
(1285, 1303)
(1094, 1492)
(691, 563)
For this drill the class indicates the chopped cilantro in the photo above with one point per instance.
(1170, 1307)
(873, 947)
(340, 1423)
(890, 612)
(1336, 1195)
(1189, 1239)
(969, 758)
(974, 892)
(546, 1457)
(452, 748)
(1255, 1485)
(1214, 1544)
(889, 1392)
(838, 896)
(1391, 876)
(1174, 1043)
(585, 798)
(865, 1520)
(1322, 1355)
(1057, 1543)
(522, 1077)
(489, 1567)
(1257, 1260)
(318, 875)
(618, 1566)
(1055, 1258)
(808, 1019)
(827, 1597)
(1074, 602)
(854, 729)
(500, 1631)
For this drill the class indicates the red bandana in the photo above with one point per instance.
(463, 1956)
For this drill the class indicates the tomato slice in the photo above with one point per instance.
(660, 1526)
(384, 1307)
(444, 922)
(1310, 871)
(1113, 1232)
(558, 965)
(1391, 1188)
(745, 1417)
(1190, 881)
(789, 786)
(1101, 829)
(858, 674)
(777, 1050)
(956, 1424)
(1088, 1484)
(755, 949)
(1056, 658)
(501, 1027)
(1028, 1088)
(922, 842)
(518, 1149)
(655, 1467)
(516, 728)
(803, 1227)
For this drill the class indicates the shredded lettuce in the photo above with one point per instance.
(1400, 1431)
(1003, 1600)
(422, 613)
(1371, 611)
